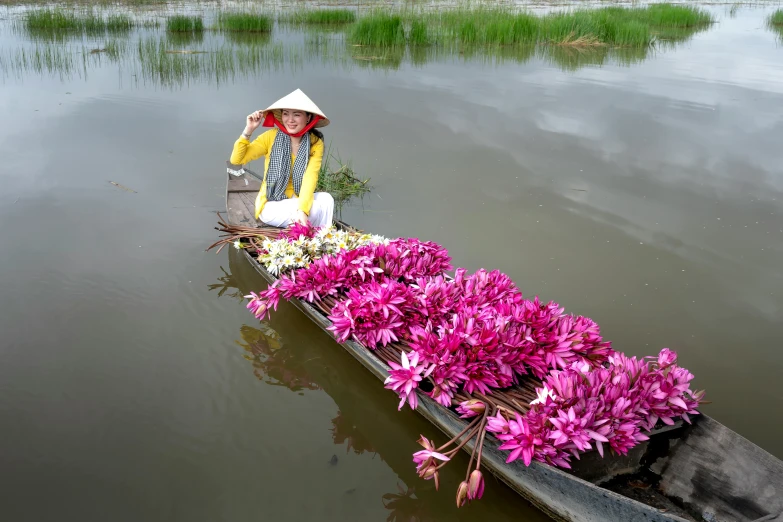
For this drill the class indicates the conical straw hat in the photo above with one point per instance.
(299, 101)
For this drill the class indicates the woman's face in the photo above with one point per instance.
(294, 120)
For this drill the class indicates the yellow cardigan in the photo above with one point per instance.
(245, 151)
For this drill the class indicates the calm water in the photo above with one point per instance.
(645, 191)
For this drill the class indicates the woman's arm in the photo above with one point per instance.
(310, 179)
(246, 151)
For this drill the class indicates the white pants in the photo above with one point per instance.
(281, 213)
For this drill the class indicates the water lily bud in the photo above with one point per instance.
(462, 494)
(475, 485)
(428, 473)
(666, 358)
(475, 406)
(424, 441)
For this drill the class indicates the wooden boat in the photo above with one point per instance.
(699, 472)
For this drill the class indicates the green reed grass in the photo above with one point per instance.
(117, 23)
(668, 15)
(184, 24)
(115, 49)
(247, 22)
(586, 28)
(56, 59)
(340, 182)
(775, 23)
(419, 35)
(379, 29)
(48, 59)
(59, 20)
(502, 26)
(488, 26)
(319, 16)
(163, 64)
(52, 19)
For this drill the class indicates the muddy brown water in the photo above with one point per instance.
(645, 192)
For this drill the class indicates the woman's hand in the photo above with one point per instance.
(300, 217)
(253, 121)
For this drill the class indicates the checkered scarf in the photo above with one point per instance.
(280, 166)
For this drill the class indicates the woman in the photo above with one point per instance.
(294, 151)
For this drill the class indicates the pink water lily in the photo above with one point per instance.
(498, 424)
(404, 378)
(425, 457)
(298, 230)
(666, 358)
(261, 303)
(521, 440)
(374, 313)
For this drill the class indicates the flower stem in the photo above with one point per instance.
(469, 426)
(475, 446)
(480, 443)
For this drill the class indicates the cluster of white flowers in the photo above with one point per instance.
(282, 255)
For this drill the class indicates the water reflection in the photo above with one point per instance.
(273, 364)
(776, 28)
(405, 506)
(344, 431)
(226, 283)
(185, 39)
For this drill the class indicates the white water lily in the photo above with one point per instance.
(238, 245)
(543, 393)
(282, 255)
(273, 268)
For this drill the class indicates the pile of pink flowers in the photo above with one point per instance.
(474, 334)
(331, 275)
(582, 405)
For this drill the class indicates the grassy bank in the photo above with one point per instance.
(616, 26)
